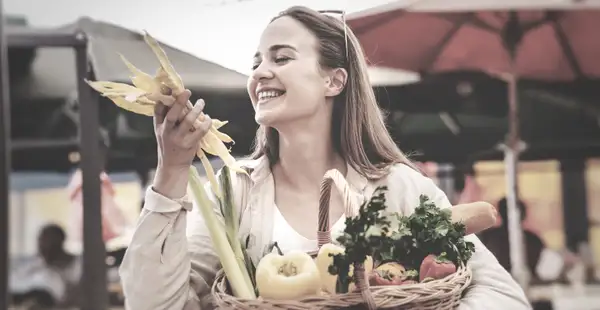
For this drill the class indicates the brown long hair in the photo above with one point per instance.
(358, 130)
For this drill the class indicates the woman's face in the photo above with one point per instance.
(286, 83)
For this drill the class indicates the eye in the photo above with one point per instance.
(282, 59)
(255, 66)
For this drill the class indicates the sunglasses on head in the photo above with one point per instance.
(334, 13)
(339, 14)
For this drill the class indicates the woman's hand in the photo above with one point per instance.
(177, 140)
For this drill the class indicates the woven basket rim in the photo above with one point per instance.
(441, 293)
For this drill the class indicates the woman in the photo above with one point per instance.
(316, 111)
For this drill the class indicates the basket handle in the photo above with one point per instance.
(351, 201)
(334, 177)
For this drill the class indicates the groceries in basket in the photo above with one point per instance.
(392, 250)
(423, 246)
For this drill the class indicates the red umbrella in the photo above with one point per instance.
(547, 44)
(534, 39)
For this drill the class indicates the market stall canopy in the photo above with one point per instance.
(107, 41)
(560, 120)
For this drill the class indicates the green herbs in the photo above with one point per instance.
(357, 243)
(430, 230)
(404, 239)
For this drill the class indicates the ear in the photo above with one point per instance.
(336, 81)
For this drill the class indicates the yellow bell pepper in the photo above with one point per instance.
(287, 277)
(324, 260)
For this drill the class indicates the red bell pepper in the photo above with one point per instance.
(435, 267)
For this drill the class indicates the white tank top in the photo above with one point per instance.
(288, 238)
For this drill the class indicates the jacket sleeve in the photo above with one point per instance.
(492, 287)
(170, 262)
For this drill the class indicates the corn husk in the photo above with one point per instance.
(136, 98)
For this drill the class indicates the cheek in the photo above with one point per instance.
(250, 87)
(303, 80)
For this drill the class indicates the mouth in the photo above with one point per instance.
(268, 95)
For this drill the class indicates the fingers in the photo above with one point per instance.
(187, 124)
(175, 112)
(160, 110)
(192, 138)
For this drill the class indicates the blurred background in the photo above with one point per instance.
(446, 73)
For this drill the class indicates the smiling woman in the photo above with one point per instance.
(317, 111)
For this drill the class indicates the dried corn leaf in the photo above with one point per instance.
(223, 137)
(218, 123)
(175, 82)
(137, 99)
(134, 107)
(219, 149)
(210, 173)
(140, 79)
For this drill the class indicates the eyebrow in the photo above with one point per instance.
(277, 47)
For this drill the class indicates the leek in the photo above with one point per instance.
(231, 218)
(232, 269)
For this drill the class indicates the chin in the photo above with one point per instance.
(265, 118)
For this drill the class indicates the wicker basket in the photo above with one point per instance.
(443, 294)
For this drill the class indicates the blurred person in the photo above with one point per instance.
(466, 186)
(544, 264)
(497, 242)
(51, 278)
(496, 239)
(317, 111)
(114, 222)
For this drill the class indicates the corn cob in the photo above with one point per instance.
(137, 98)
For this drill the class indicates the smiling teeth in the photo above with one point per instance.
(269, 94)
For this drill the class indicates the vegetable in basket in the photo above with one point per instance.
(429, 230)
(287, 277)
(436, 267)
(235, 267)
(359, 245)
(391, 273)
(325, 259)
(476, 216)
(412, 242)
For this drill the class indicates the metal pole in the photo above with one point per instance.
(518, 257)
(5, 167)
(95, 295)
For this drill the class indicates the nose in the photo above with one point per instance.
(262, 72)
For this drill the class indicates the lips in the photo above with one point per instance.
(269, 94)
(265, 96)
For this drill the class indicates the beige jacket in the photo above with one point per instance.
(170, 263)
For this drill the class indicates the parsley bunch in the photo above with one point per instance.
(357, 243)
(394, 237)
(429, 230)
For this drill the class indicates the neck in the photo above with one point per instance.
(306, 153)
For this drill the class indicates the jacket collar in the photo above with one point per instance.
(259, 169)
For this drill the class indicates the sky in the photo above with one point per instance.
(223, 33)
